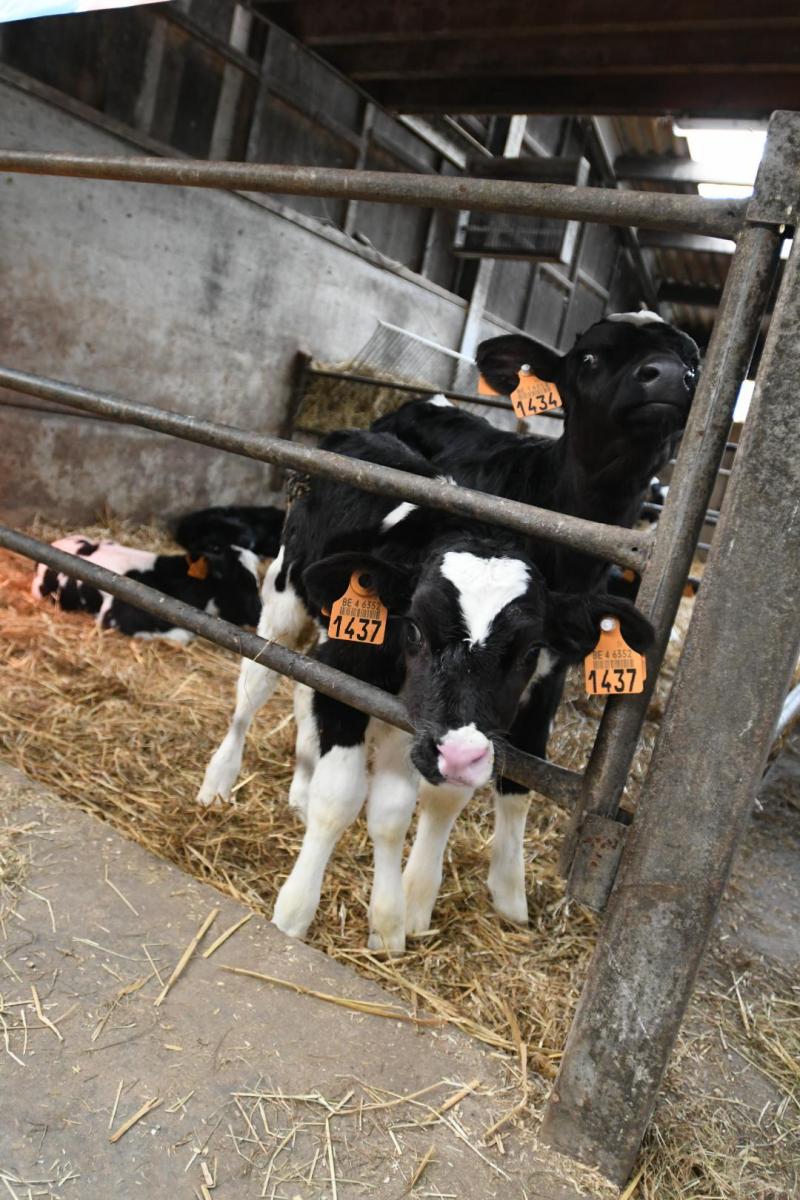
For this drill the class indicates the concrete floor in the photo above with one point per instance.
(261, 1091)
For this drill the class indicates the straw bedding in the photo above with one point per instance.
(124, 728)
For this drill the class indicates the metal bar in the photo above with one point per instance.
(556, 782)
(624, 546)
(714, 739)
(746, 293)
(647, 210)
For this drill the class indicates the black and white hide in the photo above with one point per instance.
(248, 526)
(471, 628)
(626, 386)
(224, 584)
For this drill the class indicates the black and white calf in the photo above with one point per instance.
(471, 627)
(224, 584)
(626, 387)
(247, 526)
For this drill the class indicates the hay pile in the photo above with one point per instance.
(124, 729)
(330, 404)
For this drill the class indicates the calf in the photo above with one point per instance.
(224, 584)
(250, 527)
(626, 388)
(471, 626)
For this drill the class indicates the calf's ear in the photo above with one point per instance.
(499, 360)
(573, 623)
(327, 579)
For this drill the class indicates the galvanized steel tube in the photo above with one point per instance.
(647, 210)
(608, 541)
(556, 782)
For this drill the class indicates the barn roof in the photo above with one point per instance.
(579, 56)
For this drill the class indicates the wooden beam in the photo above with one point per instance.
(703, 94)
(351, 22)
(573, 54)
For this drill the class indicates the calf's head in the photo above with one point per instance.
(476, 628)
(232, 573)
(630, 374)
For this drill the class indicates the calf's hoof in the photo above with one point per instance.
(293, 914)
(511, 905)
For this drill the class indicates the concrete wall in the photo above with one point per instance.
(187, 299)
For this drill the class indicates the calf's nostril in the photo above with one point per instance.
(648, 373)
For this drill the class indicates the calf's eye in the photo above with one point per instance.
(590, 361)
(413, 635)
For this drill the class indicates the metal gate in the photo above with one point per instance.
(665, 873)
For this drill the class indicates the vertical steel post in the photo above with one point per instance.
(744, 301)
(714, 739)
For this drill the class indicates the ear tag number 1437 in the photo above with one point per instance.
(533, 395)
(613, 668)
(359, 615)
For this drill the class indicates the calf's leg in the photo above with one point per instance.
(336, 793)
(422, 878)
(530, 732)
(306, 752)
(390, 807)
(283, 616)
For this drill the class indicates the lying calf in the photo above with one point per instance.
(248, 526)
(471, 628)
(224, 584)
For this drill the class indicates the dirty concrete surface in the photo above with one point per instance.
(256, 1090)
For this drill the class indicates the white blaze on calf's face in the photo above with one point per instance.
(484, 587)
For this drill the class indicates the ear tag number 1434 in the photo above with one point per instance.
(533, 395)
(359, 615)
(613, 668)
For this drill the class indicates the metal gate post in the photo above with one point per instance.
(715, 736)
(736, 328)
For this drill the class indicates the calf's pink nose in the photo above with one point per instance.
(456, 759)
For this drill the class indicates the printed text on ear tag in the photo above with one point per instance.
(613, 668)
(485, 389)
(198, 567)
(358, 615)
(533, 396)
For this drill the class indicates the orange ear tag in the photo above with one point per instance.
(533, 395)
(485, 389)
(629, 575)
(358, 615)
(198, 567)
(613, 668)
